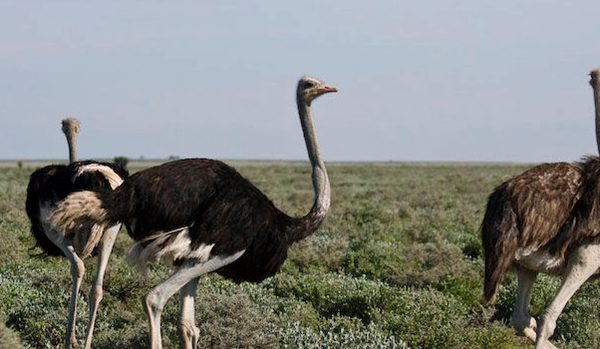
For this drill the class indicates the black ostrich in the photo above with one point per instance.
(203, 216)
(49, 185)
(545, 220)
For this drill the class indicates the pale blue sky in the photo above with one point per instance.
(419, 80)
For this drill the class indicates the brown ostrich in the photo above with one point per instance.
(47, 186)
(545, 220)
(204, 217)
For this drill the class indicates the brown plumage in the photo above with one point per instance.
(545, 220)
(527, 212)
(583, 225)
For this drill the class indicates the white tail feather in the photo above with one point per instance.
(167, 246)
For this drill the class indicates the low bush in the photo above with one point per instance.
(232, 322)
(323, 249)
(294, 336)
(400, 264)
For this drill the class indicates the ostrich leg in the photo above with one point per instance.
(104, 250)
(188, 332)
(583, 262)
(155, 300)
(77, 271)
(521, 320)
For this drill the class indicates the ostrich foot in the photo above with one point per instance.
(548, 345)
(531, 330)
(196, 338)
(525, 325)
(546, 329)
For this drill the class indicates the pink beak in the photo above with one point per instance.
(325, 89)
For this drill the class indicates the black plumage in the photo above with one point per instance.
(219, 206)
(52, 183)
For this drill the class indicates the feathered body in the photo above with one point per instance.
(51, 184)
(524, 214)
(206, 204)
(536, 218)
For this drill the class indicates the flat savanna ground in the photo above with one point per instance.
(397, 264)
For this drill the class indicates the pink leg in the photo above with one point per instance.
(155, 300)
(77, 271)
(582, 263)
(104, 250)
(521, 320)
(188, 332)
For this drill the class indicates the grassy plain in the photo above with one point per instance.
(397, 264)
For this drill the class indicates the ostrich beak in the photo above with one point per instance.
(326, 89)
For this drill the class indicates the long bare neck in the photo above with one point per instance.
(312, 220)
(596, 86)
(72, 141)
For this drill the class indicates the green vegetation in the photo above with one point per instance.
(121, 161)
(397, 264)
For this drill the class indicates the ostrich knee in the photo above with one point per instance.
(97, 293)
(77, 269)
(152, 304)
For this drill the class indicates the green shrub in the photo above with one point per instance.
(128, 334)
(332, 294)
(121, 161)
(294, 336)
(322, 249)
(424, 319)
(401, 264)
(35, 306)
(232, 322)
(468, 290)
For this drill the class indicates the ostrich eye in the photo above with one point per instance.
(310, 84)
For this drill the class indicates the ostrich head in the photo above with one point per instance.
(310, 88)
(70, 126)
